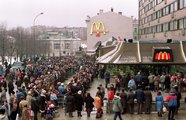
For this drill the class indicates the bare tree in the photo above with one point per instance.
(3, 41)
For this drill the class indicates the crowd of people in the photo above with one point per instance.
(131, 89)
(37, 89)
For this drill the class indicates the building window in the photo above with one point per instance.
(154, 29)
(180, 24)
(175, 6)
(159, 28)
(184, 22)
(180, 4)
(172, 8)
(175, 25)
(164, 11)
(67, 45)
(57, 46)
(135, 30)
(171, 25)
(167, 10)
(184, 3)
(165, 27)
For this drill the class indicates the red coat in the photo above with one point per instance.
(111, 94)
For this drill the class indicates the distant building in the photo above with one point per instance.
(135, 29)
(57, 44)
(162, 19)
(79, 32)
(106, 25)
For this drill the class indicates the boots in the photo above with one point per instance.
(79, 114)
(70, 114)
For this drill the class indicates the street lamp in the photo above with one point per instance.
(34, 30)
(37, 17)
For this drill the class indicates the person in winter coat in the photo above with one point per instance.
(88, 104)
(42, 102)
(10, 87)
(98, 105)
(3, 116)
(14, 109)
(35, 105)
(159, 104)
(111, 93)
(123, 97)
(132, 83)
(117, 107)
(148, 101)
(110, 98)
(140, 96)
(79, 103)
(70, 104)
(130, 99)
(107, 78)
(179, 96)
(172, 104)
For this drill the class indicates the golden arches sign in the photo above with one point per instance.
(98, 28)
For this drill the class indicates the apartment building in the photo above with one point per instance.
(162, 19)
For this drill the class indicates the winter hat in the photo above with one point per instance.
(79, 92)
(43, 91)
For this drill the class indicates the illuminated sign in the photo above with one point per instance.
(163, 55)
(97, 28)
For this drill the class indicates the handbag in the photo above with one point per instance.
(164, 109)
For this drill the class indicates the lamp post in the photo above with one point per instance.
(35, 51)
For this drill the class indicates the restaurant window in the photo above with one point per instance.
(180, 24)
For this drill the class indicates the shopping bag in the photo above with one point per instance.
(164, 109)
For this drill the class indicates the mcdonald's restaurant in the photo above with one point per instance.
(145, 56)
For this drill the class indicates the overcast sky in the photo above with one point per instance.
(60, 13)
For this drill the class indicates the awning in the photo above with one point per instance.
(146, 53)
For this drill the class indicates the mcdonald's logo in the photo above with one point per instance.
(163, 56)
(97, 28)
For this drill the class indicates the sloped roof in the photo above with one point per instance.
(142, 53)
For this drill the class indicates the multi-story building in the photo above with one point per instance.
(57, 44)
(106, 25)
(162, 19)
(135, 29)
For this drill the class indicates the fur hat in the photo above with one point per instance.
(79, 92)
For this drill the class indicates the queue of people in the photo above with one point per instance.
(35, 89)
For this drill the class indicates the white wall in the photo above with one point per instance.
(117, 25)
